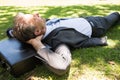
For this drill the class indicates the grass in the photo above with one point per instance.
(95, 63)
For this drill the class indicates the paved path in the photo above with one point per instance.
(55, 2)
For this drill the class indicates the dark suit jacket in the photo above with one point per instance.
(72, 38)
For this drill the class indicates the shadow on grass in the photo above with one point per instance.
(90, 56)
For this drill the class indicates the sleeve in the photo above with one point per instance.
(9, 33)
(92, 42)
(57, 61)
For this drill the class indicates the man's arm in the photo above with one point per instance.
(58, 61)
(92, 42)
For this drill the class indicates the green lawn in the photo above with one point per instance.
(98, 63)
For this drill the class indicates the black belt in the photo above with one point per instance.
(93, 26)
(91, 23)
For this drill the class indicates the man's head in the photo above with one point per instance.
(28, 26)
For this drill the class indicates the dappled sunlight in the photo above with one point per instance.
(87, 73)
(76, 73)
(118, 28)
(38, 78)
(99, 69)
(53, 16)
(76, 62)
(92, 74)
(3, 20)
(40, 10)
(112, 43)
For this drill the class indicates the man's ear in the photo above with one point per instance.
(37, 32)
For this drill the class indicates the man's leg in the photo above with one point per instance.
(112, 19)
(101, 24)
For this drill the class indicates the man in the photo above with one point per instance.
(60, 35)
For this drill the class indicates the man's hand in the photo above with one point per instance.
(36, 42)
(37, 39)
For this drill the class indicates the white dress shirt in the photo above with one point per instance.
(79, 24)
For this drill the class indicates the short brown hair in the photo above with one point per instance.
(23, 30)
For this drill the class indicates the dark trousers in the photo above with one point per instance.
(101, 24)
